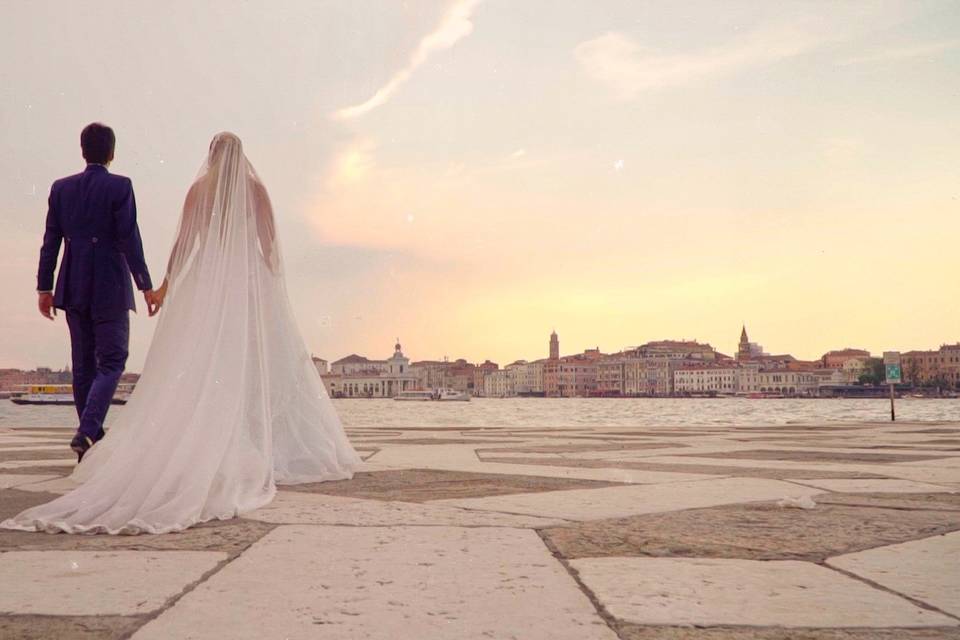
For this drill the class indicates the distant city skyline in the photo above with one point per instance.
(469, 174)
(553, 345)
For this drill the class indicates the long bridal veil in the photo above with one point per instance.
(230, 402)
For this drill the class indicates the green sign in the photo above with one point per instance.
(894, 375)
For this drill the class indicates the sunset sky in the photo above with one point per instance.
(469, 175)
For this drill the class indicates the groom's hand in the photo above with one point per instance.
(45, 303)
(153, 305)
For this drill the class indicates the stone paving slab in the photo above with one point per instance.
(43, 462)
(46, 470)
(943, 462)
(409, 582)
(928, 569)
(759, 531)
(909, 502)
(291, 507)
(886, 485)
(753, 472)
(629, 631)
(38, 627)
(801, 455)
(932, 474)
(49, 484)
(31, 454)
(97, 583)
(605, 474)
(9, 480)
(614, 502)
(418, 485)
(701, 591)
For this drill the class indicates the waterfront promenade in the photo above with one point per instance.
(684, 533)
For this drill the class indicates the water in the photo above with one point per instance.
(556, 412)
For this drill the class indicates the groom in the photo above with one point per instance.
(94, 215)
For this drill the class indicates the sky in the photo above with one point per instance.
(468, 175)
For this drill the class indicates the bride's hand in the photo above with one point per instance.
(160, 294)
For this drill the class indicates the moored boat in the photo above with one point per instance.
(414, 396)
(62, 394)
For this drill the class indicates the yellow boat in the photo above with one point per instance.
(62, 394)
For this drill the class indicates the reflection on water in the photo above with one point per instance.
(550, 412)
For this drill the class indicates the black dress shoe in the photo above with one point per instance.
(80, 444)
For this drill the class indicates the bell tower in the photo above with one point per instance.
(554, 346)
(743, 352)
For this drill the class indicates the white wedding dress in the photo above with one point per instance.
(230, 403)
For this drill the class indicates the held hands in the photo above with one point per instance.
(155, 298)
(45, 303)
(153, 301)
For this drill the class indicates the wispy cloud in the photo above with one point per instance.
(921, 50)
(456, 24)
(629, 69)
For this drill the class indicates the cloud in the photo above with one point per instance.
(629, 69)
(455, 25)
(903, 53)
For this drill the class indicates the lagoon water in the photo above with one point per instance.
(559, 412)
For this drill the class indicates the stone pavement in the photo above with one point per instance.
(568, 532)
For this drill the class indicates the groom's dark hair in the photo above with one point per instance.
(97, 142)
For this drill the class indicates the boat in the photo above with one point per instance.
(62, 394)
(443, 394)
(414, 396)
(447, 395)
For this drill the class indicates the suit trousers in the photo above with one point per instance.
(99, 346)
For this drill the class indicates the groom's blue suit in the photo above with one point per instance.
(94, 215)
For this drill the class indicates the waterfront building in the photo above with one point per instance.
(829, 379)
(358, 377)
(498, 384)
(435, 374)
(787, 383)
(480, 372)
(611, 375)
(517, 378)
(838, 358)
(571, 376)
(852, 369)
(748, 378)
(719, 379)
(677, 350)
(322, 365)
(534, 378)
(15, 379)
(648, 377)
(940, 367)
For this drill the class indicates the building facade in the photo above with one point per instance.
(936, 368)
(358, 377)
(838, 358)
(571, 376)
(480, 372)
(787, 383)
(713, 379)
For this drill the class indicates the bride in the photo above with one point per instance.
(230, 403)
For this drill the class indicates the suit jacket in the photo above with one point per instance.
(94, 215)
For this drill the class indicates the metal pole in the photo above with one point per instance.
(893, 414)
